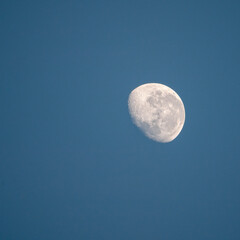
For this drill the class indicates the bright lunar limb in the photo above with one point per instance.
(157, 110)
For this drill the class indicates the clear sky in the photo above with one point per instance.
(73, 165)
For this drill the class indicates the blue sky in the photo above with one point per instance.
(73, 165)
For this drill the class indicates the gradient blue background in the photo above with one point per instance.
(73, 165)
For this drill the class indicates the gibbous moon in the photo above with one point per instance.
(157, 110)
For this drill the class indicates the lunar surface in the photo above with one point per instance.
(157, 110)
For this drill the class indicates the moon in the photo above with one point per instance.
(157, 110)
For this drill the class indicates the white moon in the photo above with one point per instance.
(157, 110)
